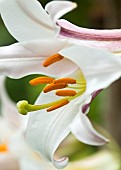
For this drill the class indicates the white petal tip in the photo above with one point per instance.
(107, 141)
(74, 5)
(85, 132)
(61, 163)
(101, 141)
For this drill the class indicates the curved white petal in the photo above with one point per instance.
(83, 130)
(46, 47)
(15, 50)
(46, 131)
(57, 9)
(105, 39)
(9, 110)
(86, 107)
(16, 68)
(31, 49)
(26, 19)
(99, 67)
(18, 60)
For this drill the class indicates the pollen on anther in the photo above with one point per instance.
(52, 86)
(52, 59)
(67, 80)
(66, 92)
(57, 106)
(3, 148)
(41, 80)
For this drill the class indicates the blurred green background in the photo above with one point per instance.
(106, 109)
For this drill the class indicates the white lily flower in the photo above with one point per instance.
(97, 69)
(15, 153)
(97, 72)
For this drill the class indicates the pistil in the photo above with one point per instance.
(24, 107)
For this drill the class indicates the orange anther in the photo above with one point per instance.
(52, 59)
(52, 86)
(56, 106)
(3, 148)
(41, 80)
(67, 80)
(66, 93)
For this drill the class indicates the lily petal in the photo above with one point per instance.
(26, 19)
(55, 126)
(9, 110)
(57, 9)
(9, 52)
(83, 130)
(18, 60)
(105, 39)
(99, 67)
(93, 95)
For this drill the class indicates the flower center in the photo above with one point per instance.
(62, 88)
(67, 88)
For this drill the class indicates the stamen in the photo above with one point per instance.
(66, 93)
(24, 107)
(67, 80)
(3, 148)
(52, 59)
(41, 80)
(52, 86)
(80, 85)
(56, 106)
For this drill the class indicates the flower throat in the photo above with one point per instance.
(67, 88)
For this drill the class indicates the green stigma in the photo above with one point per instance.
(22, 107)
